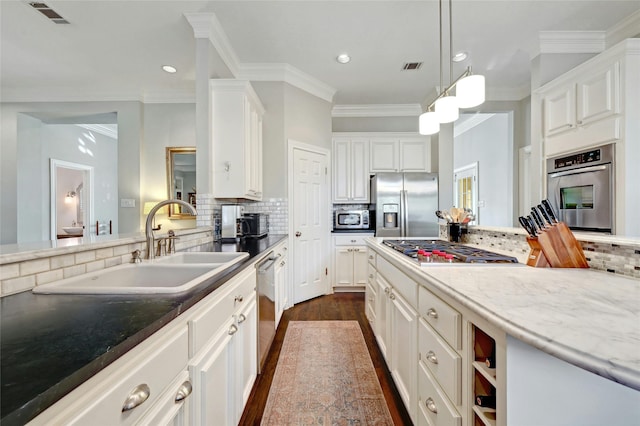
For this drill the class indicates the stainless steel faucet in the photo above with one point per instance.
(148, 227)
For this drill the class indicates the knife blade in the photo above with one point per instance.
(537, 218)
(550, 211)
(544, 214)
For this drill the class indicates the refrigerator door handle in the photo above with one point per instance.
(404, 217)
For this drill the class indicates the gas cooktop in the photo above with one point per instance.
(439, 251)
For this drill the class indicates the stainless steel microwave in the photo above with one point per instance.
(351, 219)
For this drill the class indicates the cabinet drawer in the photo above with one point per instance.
(371, 275)
(217, 308)
(432, 403)
(442, 317)
(156, 366)
(400, 282)
(167, 408)
(371, 257)
(444, 363)
(351, 240)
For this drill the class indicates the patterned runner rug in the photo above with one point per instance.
(325, 376)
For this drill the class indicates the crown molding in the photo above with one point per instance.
(377, 110)
(470, 123)
(207, 25)
(627, 28)
(109, 130)
(288, 74)
(572, 41)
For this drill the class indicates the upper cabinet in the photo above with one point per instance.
(584, 109)
(357, 156)
(350, 170)
(236, 130)
(400, 154)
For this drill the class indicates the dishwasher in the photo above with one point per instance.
(266, 290)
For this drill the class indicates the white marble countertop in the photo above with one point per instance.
(588, 318)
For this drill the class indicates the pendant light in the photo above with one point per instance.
(470, 89)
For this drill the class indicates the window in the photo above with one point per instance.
(465, 188)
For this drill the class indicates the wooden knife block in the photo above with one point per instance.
(556, 247)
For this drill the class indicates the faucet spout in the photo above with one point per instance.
(148, 227)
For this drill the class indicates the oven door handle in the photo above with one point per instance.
(577, 171)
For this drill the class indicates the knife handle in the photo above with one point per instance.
(549, 210)
(537, 218)
(525, 224)
(544, 214)
(533, 226)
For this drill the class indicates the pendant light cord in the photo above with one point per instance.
(450, 42)
(440, 25)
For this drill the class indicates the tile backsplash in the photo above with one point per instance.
(618, 257)
(276, 208)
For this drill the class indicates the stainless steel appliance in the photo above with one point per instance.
(266, 306)
(230, 228)
(255, 225)
(351, 219)
(580, 188)
(405, 204)
(439, 252)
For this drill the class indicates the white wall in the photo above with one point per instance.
(490, 143)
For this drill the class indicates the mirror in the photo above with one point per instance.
(181, 179)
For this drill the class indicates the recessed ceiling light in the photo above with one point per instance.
(169, 69)
(343, 58)
(459, 57)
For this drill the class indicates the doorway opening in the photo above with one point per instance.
(71, 200)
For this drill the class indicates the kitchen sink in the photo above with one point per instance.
(202, 257)
(172, 274)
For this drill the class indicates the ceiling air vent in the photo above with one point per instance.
(410, 66)
(48, 12)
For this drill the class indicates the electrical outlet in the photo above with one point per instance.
(127, 202)
(481, 203)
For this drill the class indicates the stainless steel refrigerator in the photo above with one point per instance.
(405, 204)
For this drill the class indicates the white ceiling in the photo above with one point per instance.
(114, 50)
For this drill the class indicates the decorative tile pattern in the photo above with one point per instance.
(325, 377)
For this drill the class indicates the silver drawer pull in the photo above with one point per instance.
(183, 391)
(282, 263)
(136, 397)
(232, 330)
(241, 318)
(432, 313)
(238, 298)
(431, 356)
(431, 405)
(392, 296)
(386, 290)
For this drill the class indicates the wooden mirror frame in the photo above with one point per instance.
(188, 195)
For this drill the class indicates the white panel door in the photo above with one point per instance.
(310, 224)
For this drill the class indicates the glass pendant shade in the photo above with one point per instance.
(447, 109)
(428, 123)
(470, 91)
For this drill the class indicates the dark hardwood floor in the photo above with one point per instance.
(339, 306)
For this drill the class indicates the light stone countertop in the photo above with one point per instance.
(588, 318)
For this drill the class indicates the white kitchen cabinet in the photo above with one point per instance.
(383, 324)
(281, 274)
(172, 409)
(236, 131)
(350, 170)
(350, 260)
(371, 290)
(151, 369)
(399, 154)
(245, 346)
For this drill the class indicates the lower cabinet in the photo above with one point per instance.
(350, 260)
(281, 274)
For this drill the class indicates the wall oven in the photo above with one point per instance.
(581, 188)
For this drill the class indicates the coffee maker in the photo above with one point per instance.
(231, 227)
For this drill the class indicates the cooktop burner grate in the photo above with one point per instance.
(461, 253)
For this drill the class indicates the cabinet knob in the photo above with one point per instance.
(232, 330)
(370, 257)
(431, 357)
(298, 233)
(386, 290)
(136, 397)
(238, 298)
(392, 296)
(353, 241)
(282, 263)
(183, 391)
(431, 405)
(432, 313)
(241, 318)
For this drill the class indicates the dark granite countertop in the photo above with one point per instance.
(50, 344)
(353, 231)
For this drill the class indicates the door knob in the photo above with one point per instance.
(298, 233)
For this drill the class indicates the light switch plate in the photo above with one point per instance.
(127, 202)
